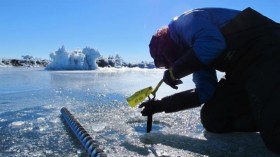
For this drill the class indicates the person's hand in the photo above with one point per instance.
(151, 107)
(170, 80)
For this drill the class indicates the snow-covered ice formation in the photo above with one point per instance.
(77, 60)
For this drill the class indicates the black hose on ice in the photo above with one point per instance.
(90, 145)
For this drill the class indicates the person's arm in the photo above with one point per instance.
(205, 82)
(173, 103)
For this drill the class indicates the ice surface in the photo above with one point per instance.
(31, 123)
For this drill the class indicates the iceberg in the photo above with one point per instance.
(77, 60)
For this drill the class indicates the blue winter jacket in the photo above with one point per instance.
(200, 30)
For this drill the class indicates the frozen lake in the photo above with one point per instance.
(31, 123)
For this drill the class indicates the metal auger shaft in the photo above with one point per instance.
(89, 144)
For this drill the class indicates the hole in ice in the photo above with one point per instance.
(140, 125)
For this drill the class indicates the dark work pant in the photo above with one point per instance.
(249, 100)
(234, 109)
(229, 110)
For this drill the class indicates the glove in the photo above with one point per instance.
(170, 80)
(151, 107)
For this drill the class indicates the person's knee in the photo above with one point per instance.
(211, 122)
(206, 122)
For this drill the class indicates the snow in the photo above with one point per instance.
(77, 60)
(31, 123)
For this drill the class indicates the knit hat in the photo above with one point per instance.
(163, 49)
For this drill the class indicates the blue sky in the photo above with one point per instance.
(124, 27)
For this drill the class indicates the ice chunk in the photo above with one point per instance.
(17, 124)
